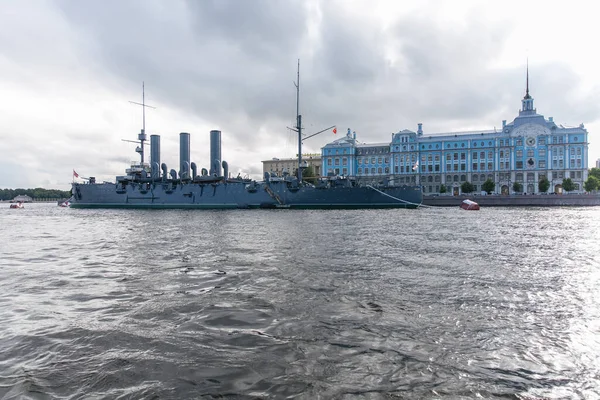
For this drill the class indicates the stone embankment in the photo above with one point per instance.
(516, 200)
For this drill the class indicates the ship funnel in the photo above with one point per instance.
(184, 155)
(155, 156)
(225, 169)
(194, 169)
(215, 168)
(165, 175)
(215, 153)
(204, 172)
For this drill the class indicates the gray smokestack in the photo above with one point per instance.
(215, 153)
(184, 155)
(155, 156)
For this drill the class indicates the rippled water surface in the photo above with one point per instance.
(244, 304)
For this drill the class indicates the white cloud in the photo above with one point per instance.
(68, 69)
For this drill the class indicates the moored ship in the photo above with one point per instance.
(151, 185)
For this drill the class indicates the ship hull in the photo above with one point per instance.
(240, 195)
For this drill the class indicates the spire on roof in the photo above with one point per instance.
(527, 96)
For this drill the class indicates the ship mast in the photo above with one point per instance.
(142, 135)
(299, 124)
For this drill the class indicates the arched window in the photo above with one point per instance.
(475, 177)
(437, 178)
(482, 178)
(455, 178)
(463, 178)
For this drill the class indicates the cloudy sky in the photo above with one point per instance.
(68, 70)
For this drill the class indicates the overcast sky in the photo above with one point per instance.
(68, 70)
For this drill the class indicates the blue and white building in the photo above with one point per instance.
(525, 150)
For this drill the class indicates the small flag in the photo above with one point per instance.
(75, 174)
(334, 130)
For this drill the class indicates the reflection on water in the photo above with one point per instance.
(432, 303)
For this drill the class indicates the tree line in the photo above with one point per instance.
(590, 185)
(37, 193)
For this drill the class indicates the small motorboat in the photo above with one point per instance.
(469, 205)
(65, 204)
(17, 205)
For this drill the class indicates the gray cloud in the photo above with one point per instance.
(231, 63)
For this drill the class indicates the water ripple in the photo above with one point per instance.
(435, 303)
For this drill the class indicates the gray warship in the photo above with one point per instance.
(151, 185)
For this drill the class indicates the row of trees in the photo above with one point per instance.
(37, 193)
(593, 181)
(543, 185)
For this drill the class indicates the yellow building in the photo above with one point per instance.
(278, 166)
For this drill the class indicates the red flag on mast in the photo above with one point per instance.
(335, 130)
(75, 174)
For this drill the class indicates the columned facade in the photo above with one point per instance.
(525, 150)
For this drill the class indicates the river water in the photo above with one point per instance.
(252, 304)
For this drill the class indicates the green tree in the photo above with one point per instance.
(488, 186)
(592, 183)
(595, 172)
(309, 174)
(544, 185)
(568, 185)
(517, 187)
(443, 189)
(467, 187)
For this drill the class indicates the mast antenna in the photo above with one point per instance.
(142, 135)
(299, 123)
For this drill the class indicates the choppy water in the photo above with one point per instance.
(431, 303)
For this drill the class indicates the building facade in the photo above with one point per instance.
(277, 166)
(525, 150)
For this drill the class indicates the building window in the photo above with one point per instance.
(475, 177)
(456, 156)
(542, 164)
(519, 153)
(448, 178)
(372, 160)
(542, 140)
(360, 171)
(519, 142)
(337, 161)
(519, 165)
(430, 168)
(530, 177)
(463, 156)
(482, 155)
(490, 166)
(455, 178)
(482, 166)
(345, 171)
(519, 177)
(474, 166)
(463, 178)
(530, 153)
(437, 167)
(448, 156)
(463, 167)
(379, 170)
(373, 171)
(344, 161)
(456, 167)
(437, 178)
